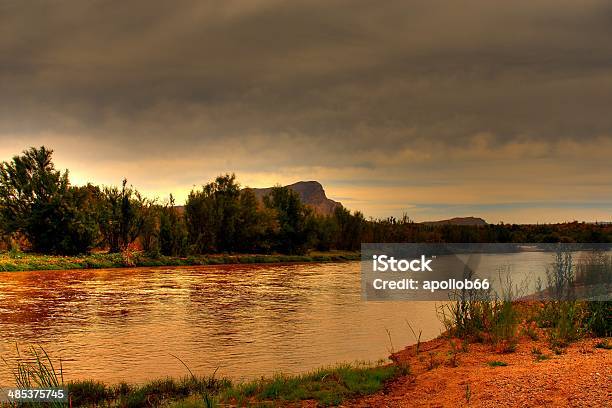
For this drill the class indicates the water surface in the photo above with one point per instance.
(245, 320)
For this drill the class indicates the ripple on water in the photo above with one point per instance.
(246, 320)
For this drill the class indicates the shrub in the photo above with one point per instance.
(599, 318)
(483, 315)
(530, 330)
(568, 324)
(83, 393)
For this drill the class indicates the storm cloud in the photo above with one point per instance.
(428, 107)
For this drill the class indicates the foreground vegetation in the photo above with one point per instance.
(326, 386)
(18, 261)
(501, 318)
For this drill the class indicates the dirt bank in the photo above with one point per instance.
(581, 376)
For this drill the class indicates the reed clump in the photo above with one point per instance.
(495, 318)
(37, 370)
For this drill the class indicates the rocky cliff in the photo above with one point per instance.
(310, 192)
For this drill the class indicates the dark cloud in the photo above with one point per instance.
(275, 86)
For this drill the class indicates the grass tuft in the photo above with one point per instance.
(38, 371)
(327, 386)
(606, 345)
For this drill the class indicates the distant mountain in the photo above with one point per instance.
(310, 192)
(458, 221)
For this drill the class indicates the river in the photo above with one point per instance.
(244, 320)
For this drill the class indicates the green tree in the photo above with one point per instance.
(123, 216)
(172, 230)
(226, 206)
(149, 214)
(254, 224)
(80, 224)
(38, 202)
(212, 215)
(295, 229)
(351, 228)
(326, 232)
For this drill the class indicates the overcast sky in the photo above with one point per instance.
(499, 109)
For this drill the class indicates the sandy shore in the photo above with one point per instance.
(579, 377)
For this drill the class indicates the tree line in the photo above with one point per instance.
(43, 212)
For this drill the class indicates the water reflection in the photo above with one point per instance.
(246, 320)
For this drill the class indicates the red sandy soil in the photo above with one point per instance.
(581, 376)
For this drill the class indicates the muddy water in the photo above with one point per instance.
(247, 321)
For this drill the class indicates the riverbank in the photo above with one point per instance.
(323, 387)
(520, 357)
(439, 372)
(508, 354)
(18, 261)
(442, 375)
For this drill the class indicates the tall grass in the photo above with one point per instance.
(495, 317)
(470, 312)
(599, 318)
(595, 271)
(38, 371)
(484, 315)
(154, 393)
(594, 268)
(327, 386)
(560, 276)
(567, 318)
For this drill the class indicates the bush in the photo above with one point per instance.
(483, 315)
(83, 393)
(567, 326)
(599, 318)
